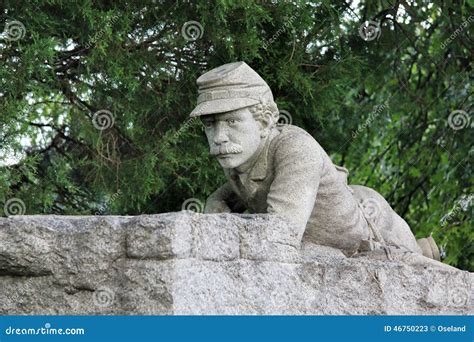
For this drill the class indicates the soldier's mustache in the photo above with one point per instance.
(226, 149)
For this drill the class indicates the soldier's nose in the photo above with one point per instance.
(220, 136)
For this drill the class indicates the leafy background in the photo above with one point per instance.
(380, 107)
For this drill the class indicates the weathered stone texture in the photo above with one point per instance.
(187, 263)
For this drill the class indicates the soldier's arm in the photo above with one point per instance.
(224, 200)
(297, 169)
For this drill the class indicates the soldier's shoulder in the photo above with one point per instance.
(292, 138)
(295, 134)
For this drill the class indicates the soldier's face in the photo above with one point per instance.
(233, 137)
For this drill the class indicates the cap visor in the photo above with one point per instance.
(221, 106)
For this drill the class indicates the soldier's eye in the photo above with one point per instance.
(231, 121)
(207, 124)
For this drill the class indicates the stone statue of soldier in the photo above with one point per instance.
(281, 169)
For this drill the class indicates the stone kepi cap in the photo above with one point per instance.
(229, 87)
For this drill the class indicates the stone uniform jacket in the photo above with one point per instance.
(294, 177)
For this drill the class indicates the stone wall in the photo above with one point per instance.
(187, 263)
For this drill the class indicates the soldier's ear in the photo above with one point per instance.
(266, 122)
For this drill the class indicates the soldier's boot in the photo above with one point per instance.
(429, 248)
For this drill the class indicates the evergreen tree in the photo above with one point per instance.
(95, 98)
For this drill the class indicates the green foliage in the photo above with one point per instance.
(132, 59)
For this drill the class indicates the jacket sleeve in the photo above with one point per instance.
(224, 200)
(297, 169)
